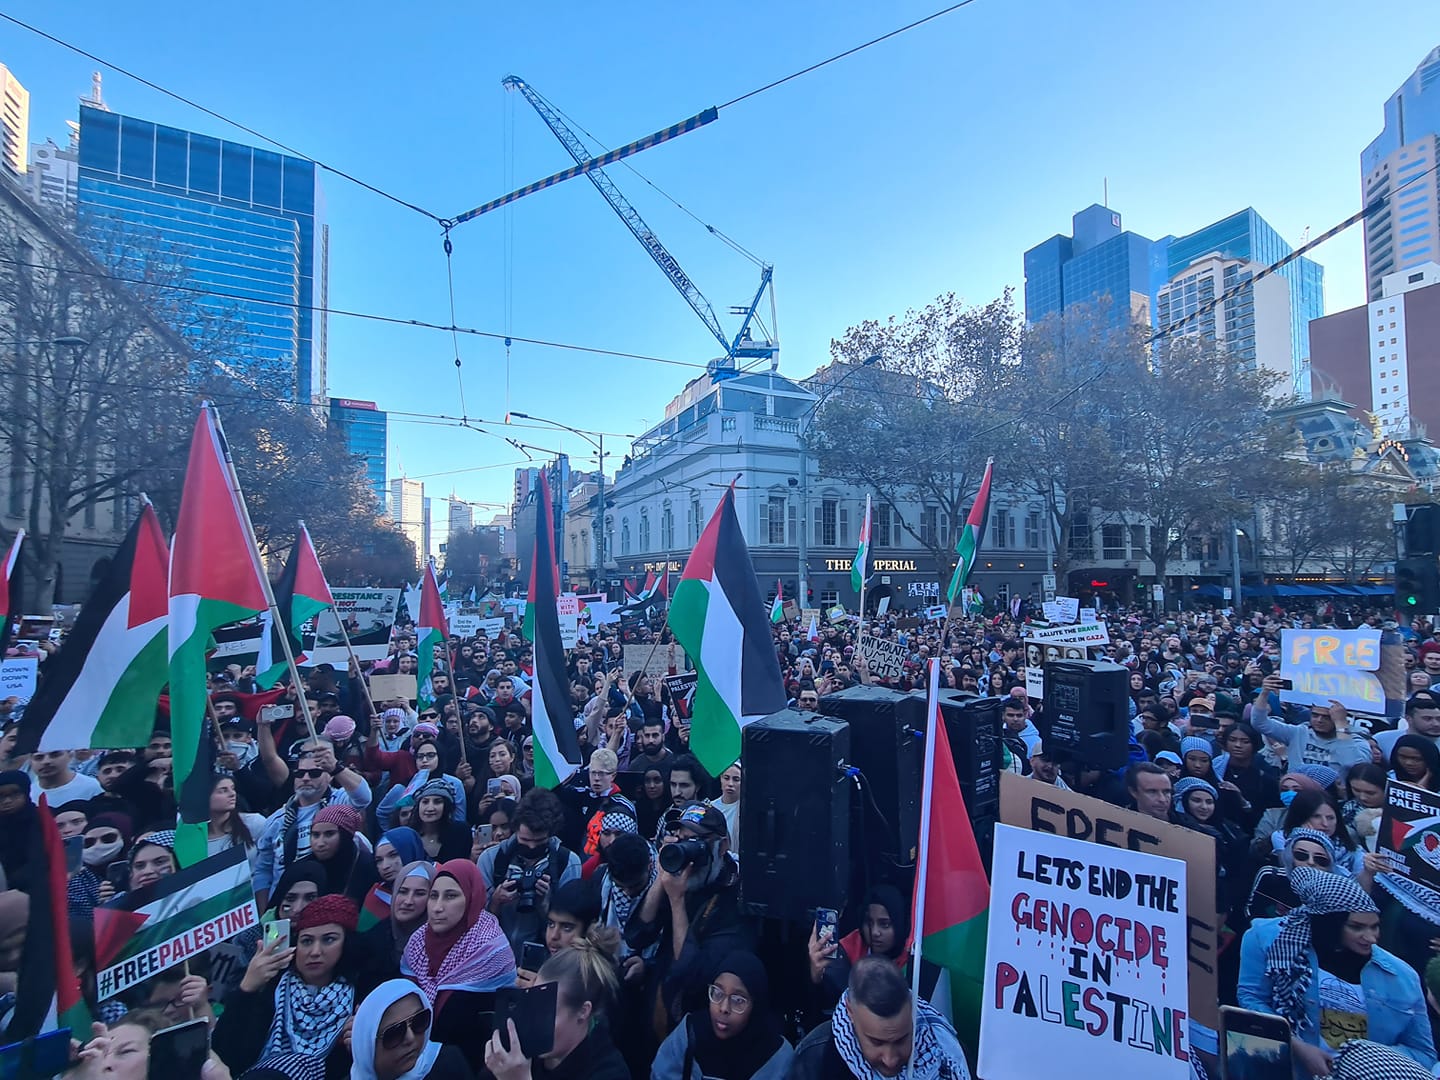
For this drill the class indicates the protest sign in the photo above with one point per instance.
(1084, 960)
(1039, 807)
(885, 658)
(465, 626)
(368, 613)
(681, 689)
(238, 643)
(1087, 614)
(392, 688)
(18, 678)
(1410, 837)
(515, 605)
(935, 613)
(809, 615)
(491, 628)
(1333, 665)
(1063, 610)
(883, 607)
(790, 610)
(652, 660)
(1088, 634)
(151, 929)
(569, 604)
(569, 630)
(1035, 681)
(836, 614)
(922, 589)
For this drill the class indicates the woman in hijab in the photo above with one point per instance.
(349, 868)
(302, 883)
(1321, 969)
(385, 941)
(17, 825)
(884, 931)
(460, 951)
(391, 1038)
(1199, 806)
(293, 1000)
(736, 1038)
(1416, 760)
(1262, 838)
(654, 798)
(396, 849)
(443, 836)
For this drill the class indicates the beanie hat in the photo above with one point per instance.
(1226, 704)
(113, 819)
(437, 787)
(1196, 744)
(17, 778)
(330, 908)
(1321, 774)
(340, 728)
(345, 818)
(1188, 784)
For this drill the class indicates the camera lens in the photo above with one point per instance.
(682, 853)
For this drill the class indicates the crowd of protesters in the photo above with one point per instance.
(421, 870)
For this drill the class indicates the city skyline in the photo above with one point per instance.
(922, 198)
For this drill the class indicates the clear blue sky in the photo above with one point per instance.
(926, 164)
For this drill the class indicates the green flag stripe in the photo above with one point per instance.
(714, 728)
(129, 713)
(154, 932)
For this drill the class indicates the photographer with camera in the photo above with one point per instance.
(521, 873)
(692, 911)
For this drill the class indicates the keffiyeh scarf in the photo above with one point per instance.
(928, 1058)
(308, 1019)
(1360, 1059)
(1287, 961)
(480, 961)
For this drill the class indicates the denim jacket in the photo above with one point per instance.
(1395, 1004)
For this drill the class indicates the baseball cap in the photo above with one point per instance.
(703, 820)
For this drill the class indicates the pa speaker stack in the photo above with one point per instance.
(973, 729)
(1086, 712)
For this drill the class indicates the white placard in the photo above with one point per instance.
(569, 630)
(1086, 961)
(882, 607)
(369, 615)
(465, 626)
(1338, 665)
(491, 628)
(18, 678)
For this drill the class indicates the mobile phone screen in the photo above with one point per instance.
(1256, 1046)
(179, 1053)
(533, 955)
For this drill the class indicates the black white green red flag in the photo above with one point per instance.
(431, 632)
(719, 617)
(557, 748)
(300, 595)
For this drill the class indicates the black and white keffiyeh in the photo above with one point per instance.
(308, 1019)
(1361, 1059)
(287, 1067)
(928, 1058)
(1287, 961)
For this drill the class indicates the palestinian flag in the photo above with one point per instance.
(101, 688)
(718, 616)
(300, 595)
(431, 630)
(557, 750)
(169, 922)
(952, 893)
(968, 546)
(862, 553)
(215, 579)
(777, 606)
(813, 633)
(48, 992)
(10, 595)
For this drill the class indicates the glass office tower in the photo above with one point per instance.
(244, 226)
(364, 428)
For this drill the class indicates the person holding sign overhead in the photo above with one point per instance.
(1325, 740)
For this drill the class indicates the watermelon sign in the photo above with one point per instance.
(1410, 838)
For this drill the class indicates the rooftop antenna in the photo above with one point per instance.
(1106, 196)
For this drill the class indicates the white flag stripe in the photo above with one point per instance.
(115, 649)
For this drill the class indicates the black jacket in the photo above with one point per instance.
(817, 1059)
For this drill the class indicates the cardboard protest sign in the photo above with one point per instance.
(836, 614)
(681, 689)
(1084, 960)
(790, 610)
(392, 688)
(491, 628)
(808, 614)
(653, 660)
(1338, 665)
(368, 613)
(465, 626)
(1410, 837)
(164, 924)
(1029, 804)
(885, 658)
(18, 679)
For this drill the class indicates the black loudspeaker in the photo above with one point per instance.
(1086, 712)
(887, 746)
(973, 727)
(1422, 530)
(794, 815)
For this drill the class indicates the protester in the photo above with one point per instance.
(1415, 760)
(520, 873)
(391, 1038)
(349, 867)
(396, 849)
(229, 827)
(736, 1037)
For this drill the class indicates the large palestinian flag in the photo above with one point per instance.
(101, 688)
(431, 630)
(719, 616)
(967, 548)
(557, 750)
(215, 579)
(300, 595)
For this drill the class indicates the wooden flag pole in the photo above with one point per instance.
(350, 649)
(265, 585)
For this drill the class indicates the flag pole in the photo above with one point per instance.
(265, 585)
(922, 862)
(345, 636)
(449, 668)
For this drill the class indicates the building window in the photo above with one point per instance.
(930, 525)
(774, 510)
(844, 525)
(644, 531)
(667, 528)
(625, 537)
(694, 522)
(881, 526)
(1002, 530)
(1082, 543)
(1032, 530)
(827, 522)
(829, 598)
(1112, 541)
(792, 515)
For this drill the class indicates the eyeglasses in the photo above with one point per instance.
(102, 838)
(1318, 861)
(739, 1003)
(309, 774)
(394, 1035)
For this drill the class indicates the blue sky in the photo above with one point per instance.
(926, 164)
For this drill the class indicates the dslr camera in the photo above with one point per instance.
(525, 879)
(678, 854)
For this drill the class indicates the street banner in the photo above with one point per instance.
(652, 660)
(1333, 665)
(1029, 804)
(885, 658)
(1088, 634)
(368, 613)
(393, 688)
(1084, 961)
(151, 929)
(18, 679)
(1410, 838)
(682, 694)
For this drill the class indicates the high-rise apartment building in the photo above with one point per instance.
(242, 225)
(1099, 261)
(365, 429)
(1382, 357)
(1400, 167)
(54, 177)
(407, 509)
(1248, 238)
(14, 123)
(1253, 326)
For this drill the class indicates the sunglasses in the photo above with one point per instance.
(1320, 861)
(394, 1035)
(102, 838)
(309, 774)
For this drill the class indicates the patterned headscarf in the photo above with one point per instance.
(477, 959)
(1287, 961)
(1315, 836)
(1361, 1059)
(164, 838)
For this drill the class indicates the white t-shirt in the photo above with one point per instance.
(82, 787)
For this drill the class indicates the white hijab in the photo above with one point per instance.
(367, 1030)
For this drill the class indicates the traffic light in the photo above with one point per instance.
(1417, 584)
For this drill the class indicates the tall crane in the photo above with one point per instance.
(742, 345)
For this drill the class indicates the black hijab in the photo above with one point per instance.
(744, 1054)
(306, 868)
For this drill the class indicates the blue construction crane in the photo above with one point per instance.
(741, 346)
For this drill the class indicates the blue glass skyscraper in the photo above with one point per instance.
(1100, 261)
(364, 428)
(244, 228)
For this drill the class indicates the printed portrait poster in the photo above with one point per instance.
(368, 615)
(1085, 962)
